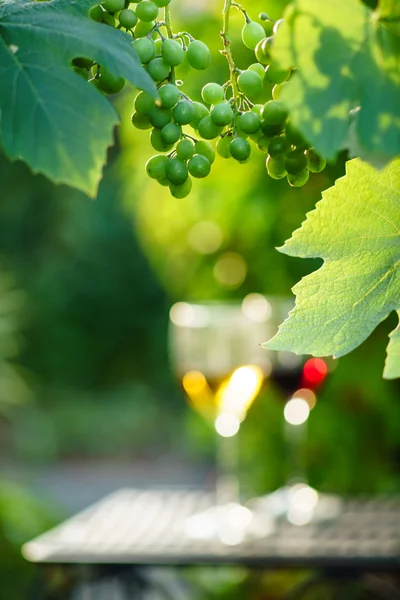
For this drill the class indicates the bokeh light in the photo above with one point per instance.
(227, 425)
(256, 308)
(296, 411)
(230, 270)
(205, 237)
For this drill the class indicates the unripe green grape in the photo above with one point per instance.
(156, 166)
(257, 68)
(142, 28)
(294, 135)
(277, 90)
(198, 55)
(278, 146)
(108, 19)
(249, 122)
(96, 13)
(141, 121)
(263, 142)
(240, 149)
(274, 112)
(185, 149)
(172, 52)
(157, 68)
(171, 133)
(295, 162)
(298, 179)
(222, 114)
(263, 50)
(315, 162)
(127, 18)
(82, 63)
(145, 48)
(199, 166)
(205, 149)
(110, 83)
(271, 130)
(177, 171)
(144, 102)
(268, 26)
(113, 6)
(252, 33)
(275, 74)
(183, 112)
(200, 111)
(208, 129)
(240, 132)
(163, 181)
(257, 108)
(157, 141)
(250, 83)
(146, 11)
(212, 93)
(159, 116)
(158, 43)
(181, 191)
(276, 167)
(169, 95)
(277, 24)
(161, 3)
(223, 146)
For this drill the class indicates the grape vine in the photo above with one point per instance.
(236, 115)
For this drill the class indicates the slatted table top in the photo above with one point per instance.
(149, 527)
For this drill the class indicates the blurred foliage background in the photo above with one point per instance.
(85, 291)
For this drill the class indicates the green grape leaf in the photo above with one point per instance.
(355, 229)
(51, 118)
(389, 14)
(349, 71)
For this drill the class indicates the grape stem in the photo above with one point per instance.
(227, 52)
(242, 10)
(170, 33)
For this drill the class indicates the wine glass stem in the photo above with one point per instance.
(227, 481)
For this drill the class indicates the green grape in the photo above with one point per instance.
(171, 133)
(185, 149)
(276, 167)
(278, 146)
(82, 63)
(257, 68)
(223, 146)
(183, 112)
(109, 19)
(141, 121)
(295, 162)
(127, 18)
(158, 43)
(222, 114)
(240, 149)
(212, 93)
(157, 141)
(250, 83)
(298, 179)
(144, 102)
(268, 26)
(142, 28)
(172, 52)
(208, 129)
(96, 13)
(161, 3)
(315, 162)
(294, 135)
(163, 181)
(263, 50)
(263, 141)
(157, 68)
(257, 108)
(110, 83)
(169, 95)
(198, 55)
(275, 74)
(156, 166)
(145, 48)
(147, 11)
(240, 132)
(277, 90)
(249, 122)
(181, 191)
(277, 24)
(205, 149)
(177, 171)
(274, 112)
(159, 116)
(252, 33)
(112, 6)
(271, 130)
(200, 111)
(199, 166)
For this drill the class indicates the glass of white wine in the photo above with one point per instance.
(217, 356)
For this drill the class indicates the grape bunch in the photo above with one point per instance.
(181, 130)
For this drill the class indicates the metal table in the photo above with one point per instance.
(147, 527)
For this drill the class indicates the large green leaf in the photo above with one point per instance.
(355, 228)
(51, 117)
(349, 69)
(389, 13)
